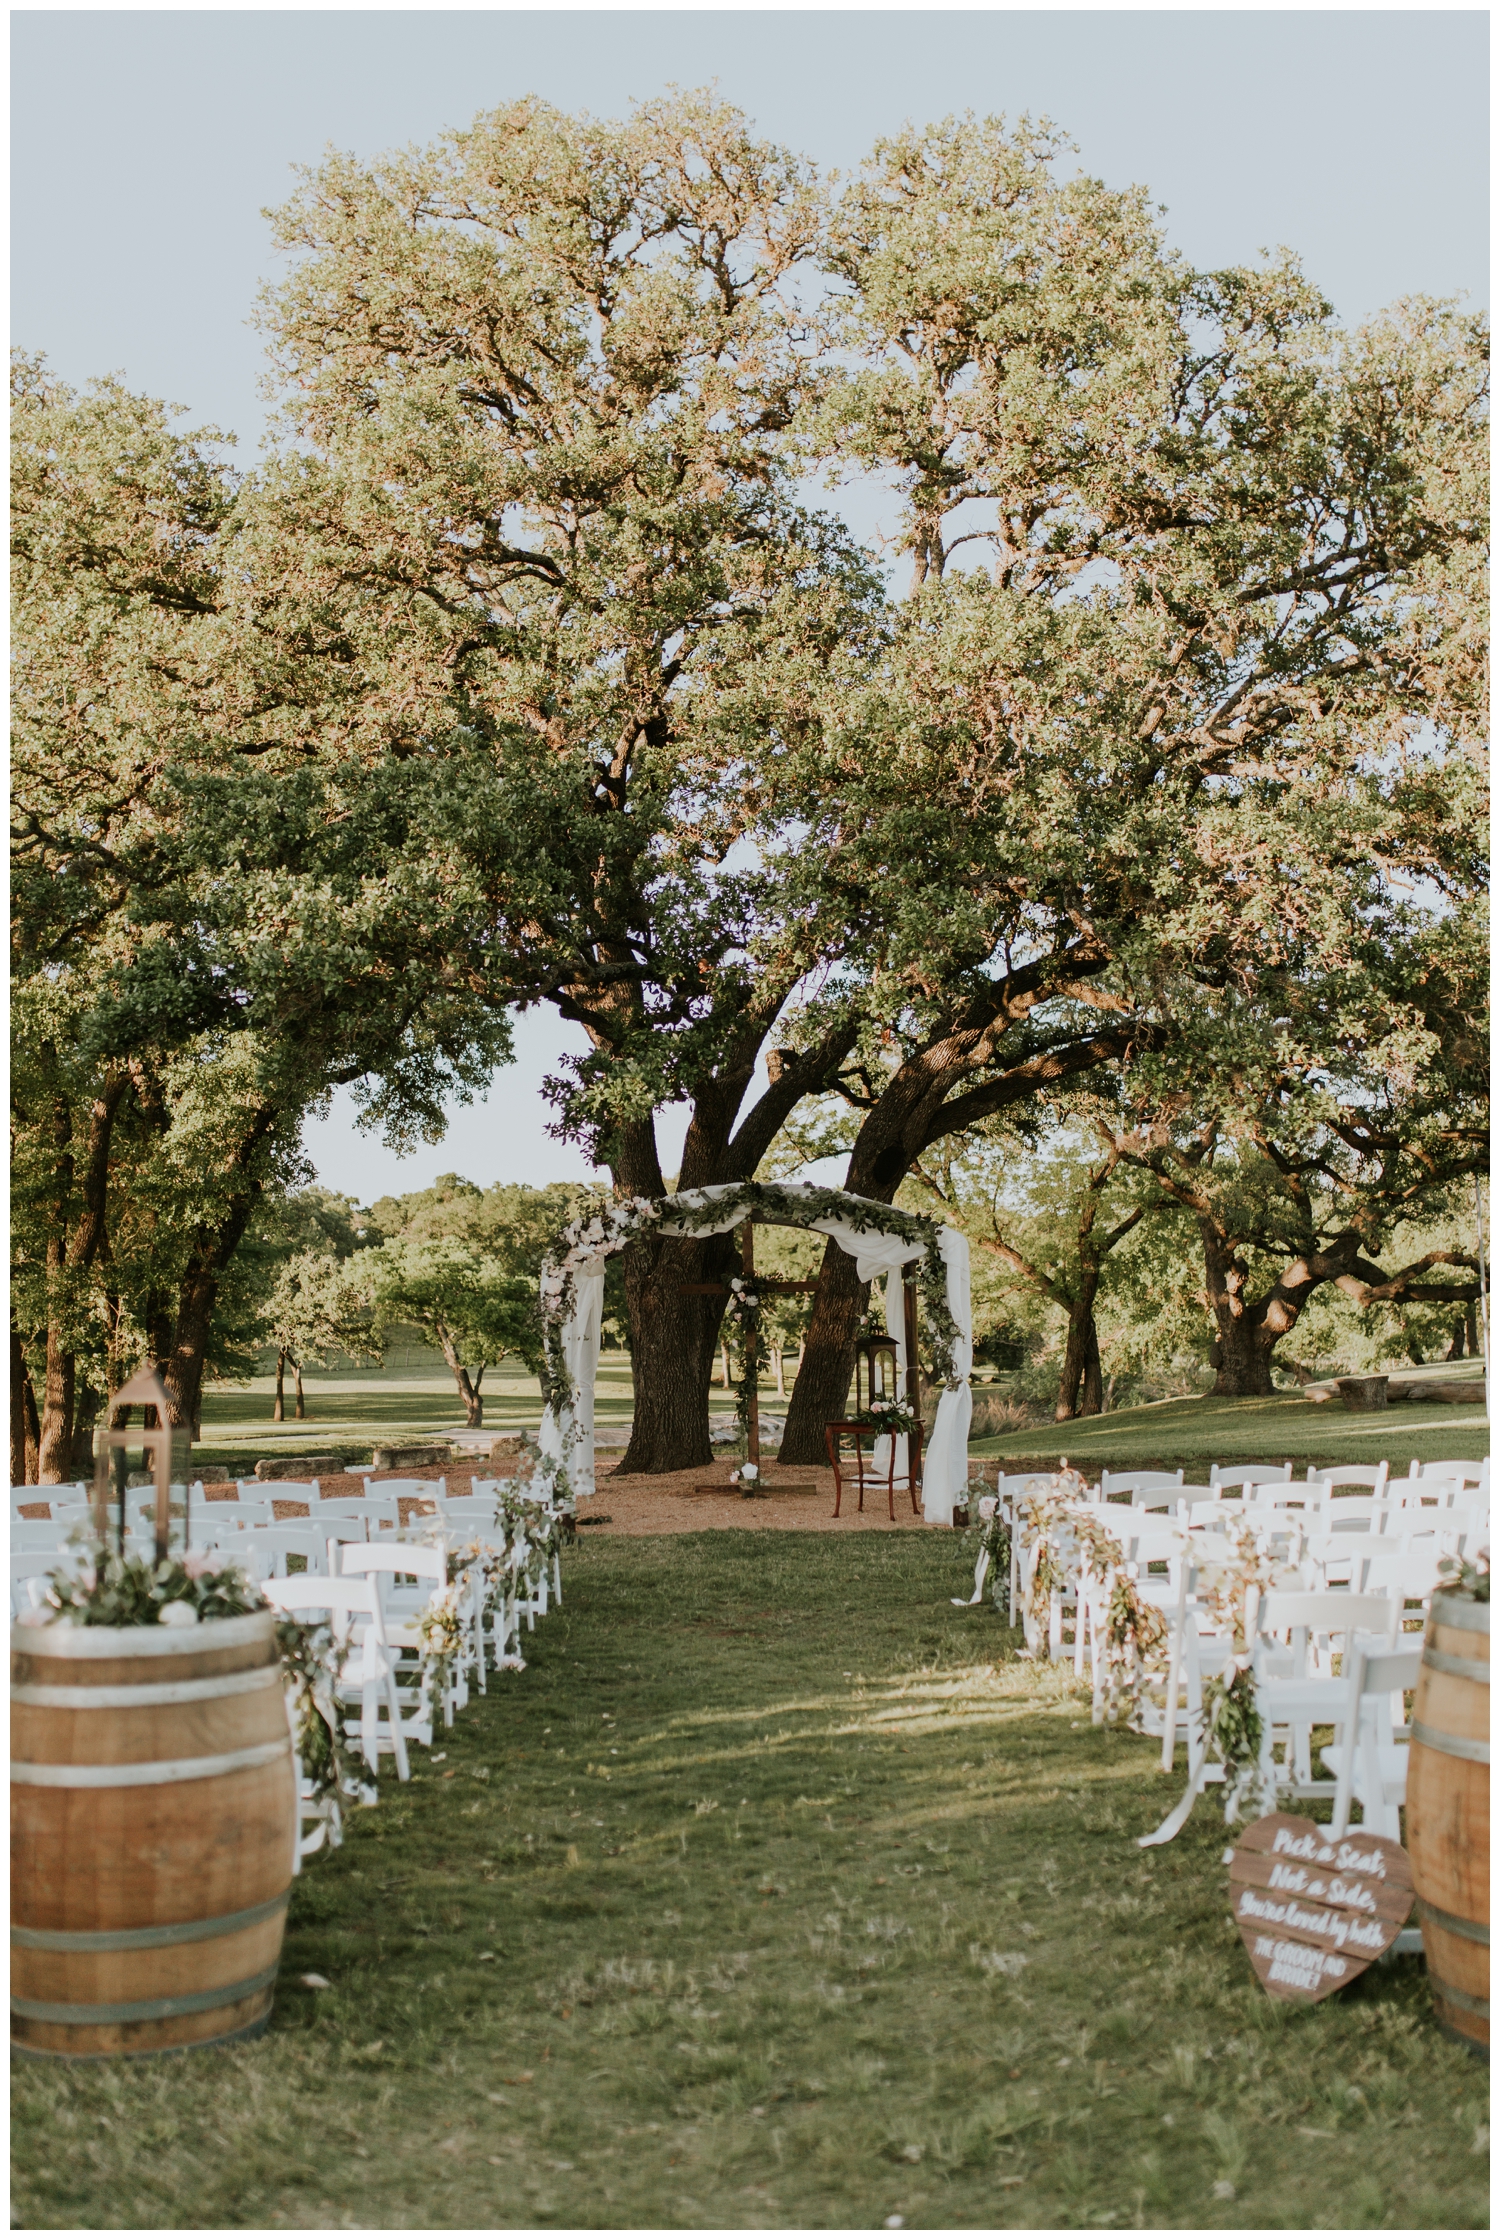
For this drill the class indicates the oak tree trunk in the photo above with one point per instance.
(675, 1337)
(1080, 1387)
(1241, 1355)
(86, 1406)
(278, 1412)
(25, 1430)
(301, 1398)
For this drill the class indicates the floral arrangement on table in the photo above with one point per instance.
(609, 1224)
(889, 1419)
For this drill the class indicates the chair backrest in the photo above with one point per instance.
(1134, 1481)
(343, 1600)
(1252, 1474)
(279, 1489)
(406, 1489)
(1328, 1613)
(1373, 1478)
(28, 1496)
(232, 1516)
(1407, 1570)
(27, 1534)
(1354, 1512)
(1471, 1473)
(1424, 1493)
(1164, 1500)
(268, 1548)
(408, 1558)
(371, 1517)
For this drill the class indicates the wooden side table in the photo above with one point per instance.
(834, 1432)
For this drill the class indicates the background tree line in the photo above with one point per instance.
(524, 670)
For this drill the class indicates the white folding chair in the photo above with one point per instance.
(267, 1550)
(1467, 1473)
(1373, 1479)
(1132, 1482)
(30, 1534)
(1295, 1686)
(401, 1606)
(1254, 1474)
(1369, 1758)
(28, 1496)
(365, 1673)
(374, 1515)
(306, 1490)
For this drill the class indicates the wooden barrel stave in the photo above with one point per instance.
(151, 1910)
(1448, 1815)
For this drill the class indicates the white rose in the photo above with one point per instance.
(987, 1507)
(750, 1471)
(177, 1614)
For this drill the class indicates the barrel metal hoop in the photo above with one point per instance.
(150, 1773)
(1457, 1668)
(144, 1940)
(144, 2010)
(1477, 1932)
(1467, 2001)
(149, 1692)
(21, 2050)
(1450, 1745)
(91, 1643)
(1452, 1610)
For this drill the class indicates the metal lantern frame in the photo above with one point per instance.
(868, 1353)
(164, 1446)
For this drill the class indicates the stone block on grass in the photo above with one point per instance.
(411, 1458)
(301, 1466)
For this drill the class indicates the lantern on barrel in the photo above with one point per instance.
(165, 1450)
(153, 1795)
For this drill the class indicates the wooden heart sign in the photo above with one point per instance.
(1313, 1910)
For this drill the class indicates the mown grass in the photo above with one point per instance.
(1172, 1434)
(775, 1892)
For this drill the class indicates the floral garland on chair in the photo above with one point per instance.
(1232, 1727)
(1069, 1539)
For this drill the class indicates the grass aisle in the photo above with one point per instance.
(775, 1892)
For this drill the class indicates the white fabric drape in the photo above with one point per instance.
(945, 1467)
(875, 1253)
(571, 1439)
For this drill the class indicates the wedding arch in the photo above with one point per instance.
(881, 1240)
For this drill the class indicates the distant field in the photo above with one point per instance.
(414, 1397)
(1181, 1433)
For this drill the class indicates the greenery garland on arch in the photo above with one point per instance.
(608, 1224)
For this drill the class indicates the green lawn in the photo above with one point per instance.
(1191, 1434)
(414, 1398)
(775, 1892)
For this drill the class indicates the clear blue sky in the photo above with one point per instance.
(146, 143)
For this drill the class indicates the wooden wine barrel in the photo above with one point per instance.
(153, 1818)
(1448, 1814)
